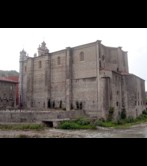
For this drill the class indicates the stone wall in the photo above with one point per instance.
(58, 79)
(135, 92)
(113, 59)
(37, 116)
(7, 94)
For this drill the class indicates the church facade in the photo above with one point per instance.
(90, 77)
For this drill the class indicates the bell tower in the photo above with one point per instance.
(42, 50)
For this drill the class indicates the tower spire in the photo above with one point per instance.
(42, 49)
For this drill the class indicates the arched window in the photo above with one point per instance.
(40, 64)
(81, 56)
(59, 61)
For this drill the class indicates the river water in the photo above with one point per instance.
(138, 131)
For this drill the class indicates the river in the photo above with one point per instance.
(137, 131)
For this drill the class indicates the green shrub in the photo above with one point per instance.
(21, 126)
(83, 121)
(142, 117)
(69, 125)
(77, 124)
(123, 114)
(144, 112)
(130, 120)
(99, 123)
(119, 122)
(110, 114)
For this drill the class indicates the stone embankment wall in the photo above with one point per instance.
(37, 116)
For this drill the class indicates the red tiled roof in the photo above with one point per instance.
(7, 80)
(13, 78)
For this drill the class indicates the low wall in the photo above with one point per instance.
(37, 116)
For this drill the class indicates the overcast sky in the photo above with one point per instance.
(133, 40)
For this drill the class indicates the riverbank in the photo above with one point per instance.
(135, 131)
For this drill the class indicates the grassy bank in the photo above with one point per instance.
(22, 127)
(125, 123)
(83, 123)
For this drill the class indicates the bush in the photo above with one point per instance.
(144, 112)
(142, 117)
(123, 114)
(110, 114)
(77, 124)
(130, 120)
(119, 122)
(83, 121)
(69, 125)
(99, 123)
(21, 126)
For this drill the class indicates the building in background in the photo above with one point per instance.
(91, 77)
(16, 79)
(7, 93)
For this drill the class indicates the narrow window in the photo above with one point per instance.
(103, 58)
(71, 106)
(59, 61)
(117, 103)
(81, 56)
(40, 64)
(100, 64)
(60, 104)
(32, 104)
(77, 104)
(81, 105)
(49, 103)
(25, 68)
(53, 104)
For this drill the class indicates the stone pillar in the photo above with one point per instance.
(98, 42)
(120, 65)
(68, 78)
(21, 67)
(15, 95)
(32, 81)
(126, 62)
(48, 72)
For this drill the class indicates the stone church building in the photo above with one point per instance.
(91, 77)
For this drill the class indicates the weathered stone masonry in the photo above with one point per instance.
(7, 93)
(91, 77)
